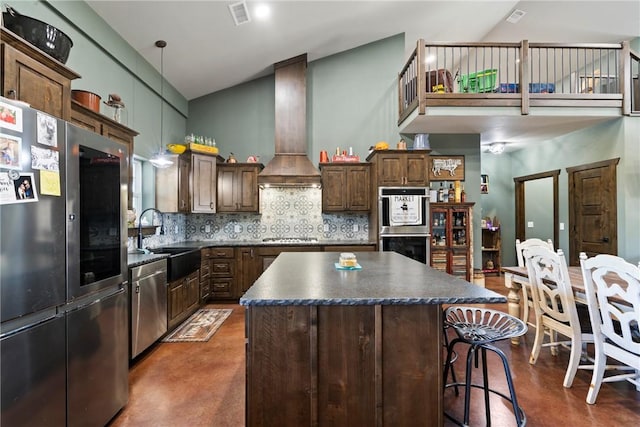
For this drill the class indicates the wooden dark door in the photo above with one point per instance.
(593, 210)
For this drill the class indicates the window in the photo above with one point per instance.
(136, 184)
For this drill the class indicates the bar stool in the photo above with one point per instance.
(480, 327)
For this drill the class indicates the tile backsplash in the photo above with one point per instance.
(285, 212)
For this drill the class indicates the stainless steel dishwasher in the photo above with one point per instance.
(148, 304)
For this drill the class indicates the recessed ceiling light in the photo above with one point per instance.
(262, 11)
(430, 59)
(516, 15)
(496, 148)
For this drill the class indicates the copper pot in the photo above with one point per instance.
(88, 99)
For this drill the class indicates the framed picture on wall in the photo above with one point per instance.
(484, 184)
(446, 168)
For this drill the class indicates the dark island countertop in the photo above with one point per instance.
(386, 278)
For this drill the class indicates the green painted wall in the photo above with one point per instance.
(609, 140)
(351, 102)
(108, 64)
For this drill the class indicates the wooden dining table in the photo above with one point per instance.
(514, 285)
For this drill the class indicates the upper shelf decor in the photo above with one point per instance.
(446, 168)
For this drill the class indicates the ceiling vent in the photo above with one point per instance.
(515, 16)
(240, 12)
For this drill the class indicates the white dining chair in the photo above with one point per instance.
(527, 302)
(612, 287)
(555, 308)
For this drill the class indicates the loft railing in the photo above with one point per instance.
(519, 74)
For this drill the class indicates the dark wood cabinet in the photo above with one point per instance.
(491, 250)
(188, 185)
(346, 187)
(398, 168)
(249, 268)
(30, 75)
(205, 274)
(204, 170)
(238, 187)
(184, 298)
(223, 273)
(452, 238)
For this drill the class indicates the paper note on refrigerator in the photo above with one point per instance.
(50, 183)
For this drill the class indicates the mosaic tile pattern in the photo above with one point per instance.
(285, 212)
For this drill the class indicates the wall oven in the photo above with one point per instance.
(403, 215)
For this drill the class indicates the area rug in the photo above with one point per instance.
(200, 326)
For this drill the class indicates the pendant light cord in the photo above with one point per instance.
(161, 44)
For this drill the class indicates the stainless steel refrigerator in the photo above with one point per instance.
(63, 272)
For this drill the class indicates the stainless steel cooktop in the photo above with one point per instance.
(290, 240)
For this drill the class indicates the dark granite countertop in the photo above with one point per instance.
(310, 278)
(138, 259)
(134, 260)
(228, 243)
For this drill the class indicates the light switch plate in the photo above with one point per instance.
(562, 226)
(530, 224)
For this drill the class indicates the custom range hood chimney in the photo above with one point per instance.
(290, 166)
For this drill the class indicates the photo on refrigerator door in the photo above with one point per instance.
(10, 117)
(19, 190)
(10, 149)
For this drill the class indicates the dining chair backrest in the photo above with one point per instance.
(551, 285)
(530, 243)
(612, 287)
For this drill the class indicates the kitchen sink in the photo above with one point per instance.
(181, 262)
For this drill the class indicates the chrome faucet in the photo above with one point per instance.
(140, 224)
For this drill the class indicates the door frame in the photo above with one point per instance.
(519, 201)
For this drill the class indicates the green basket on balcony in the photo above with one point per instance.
(480, 82)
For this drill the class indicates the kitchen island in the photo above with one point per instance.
(349, 347)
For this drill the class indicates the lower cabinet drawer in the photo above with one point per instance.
(222, 287)
(222, 267)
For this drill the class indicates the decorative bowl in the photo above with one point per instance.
(177, 148)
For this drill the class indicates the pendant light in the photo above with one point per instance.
(161, 159)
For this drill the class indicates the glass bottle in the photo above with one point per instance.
(452, 194)
(463, 195)
(441, 193)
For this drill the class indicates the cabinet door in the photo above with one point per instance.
(176, 301)
(246, 189)
(334, 183)
(192, 294)
(28, 80)
(204, 183)
(416, 170)
(250, 269)
(85, 121)
(184, 166)
(391, 169)
(358, 188)
(226, 183)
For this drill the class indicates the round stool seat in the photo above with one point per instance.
(482, 325)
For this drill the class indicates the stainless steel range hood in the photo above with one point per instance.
(290, 166)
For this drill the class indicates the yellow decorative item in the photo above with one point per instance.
(177, 148)
(199, 148)
(382, 145)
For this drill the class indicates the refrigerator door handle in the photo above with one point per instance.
(94, 298)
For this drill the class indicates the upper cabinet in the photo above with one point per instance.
(238, 187)
(400, 168)
(188, 185)
(346, 187)
(30, 75)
